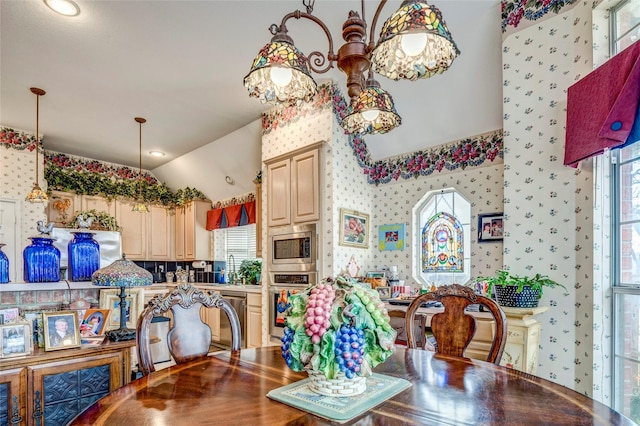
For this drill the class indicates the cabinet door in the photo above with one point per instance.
(61, 390)
(305, 178)
(159, 236)
(13, 396)
(134, 231)
(211, 317)
(98, 203)
(254, 320)
(62, 207)
(179, 234)
(279, 193)
(189, 231)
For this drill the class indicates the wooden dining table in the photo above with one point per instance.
(230, 388)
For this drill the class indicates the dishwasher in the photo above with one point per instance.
(238, 301)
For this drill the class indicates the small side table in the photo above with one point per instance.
(523, 337)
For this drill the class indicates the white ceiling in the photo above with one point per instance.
(180, 64)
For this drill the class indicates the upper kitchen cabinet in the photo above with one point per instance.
(98, 203)
(192, 240)
(293, 188)
(160, 233)
(134, 230)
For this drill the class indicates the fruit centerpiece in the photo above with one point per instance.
(337, 331)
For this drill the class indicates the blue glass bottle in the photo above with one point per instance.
(84, 256)
(41, 261)
(4, 266)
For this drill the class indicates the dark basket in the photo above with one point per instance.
(508, 296)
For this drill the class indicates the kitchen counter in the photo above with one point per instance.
(221, 287)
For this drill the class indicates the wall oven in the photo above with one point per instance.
(283, 286)
(293, 248)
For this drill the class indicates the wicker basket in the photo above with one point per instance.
(340, 386)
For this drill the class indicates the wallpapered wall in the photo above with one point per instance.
(549, 207)
(17, 171)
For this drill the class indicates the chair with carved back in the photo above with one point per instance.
(453, 329)
(420, 322)
(189, 337)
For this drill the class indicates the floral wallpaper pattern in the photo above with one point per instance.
(547, 206)
(513, 11)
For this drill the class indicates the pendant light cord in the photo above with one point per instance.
(37, 135)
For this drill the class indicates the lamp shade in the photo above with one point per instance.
(122, 273)
(280, 74)
(371, 112)
(414, 43)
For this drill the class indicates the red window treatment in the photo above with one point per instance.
(230, 216)
(214, 219)
(602, 106)
(233, 215)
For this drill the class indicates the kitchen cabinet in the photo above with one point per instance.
(51, 388)
(192, 240)
(293, 188)
(211, 317)
(254, 320)
(258, 220)
(98, 203)
(159, 233)
(134, 230)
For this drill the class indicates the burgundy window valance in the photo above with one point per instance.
(230, 216)
(602, 107)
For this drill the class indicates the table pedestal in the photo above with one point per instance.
(523, 337)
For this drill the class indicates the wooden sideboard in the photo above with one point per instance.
(523, 335)
(51, 388)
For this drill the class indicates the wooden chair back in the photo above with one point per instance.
(189, 338)
(453, 329)
(420, 322)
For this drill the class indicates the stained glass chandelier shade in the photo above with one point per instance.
(280, 74)
(398, 53)
(372, 112)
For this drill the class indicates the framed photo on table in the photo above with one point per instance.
(61, 330)
(94, 322)
(354, 229)
(110, 300)
(15, 340)
(490, 227)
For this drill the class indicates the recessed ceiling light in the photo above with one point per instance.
(63, 7)
(156, 153)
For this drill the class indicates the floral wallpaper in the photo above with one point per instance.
(548, 208)
(514, 11)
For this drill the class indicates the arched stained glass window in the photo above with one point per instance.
(442, 244)
(442, 228)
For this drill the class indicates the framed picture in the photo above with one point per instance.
(490, 227)
(110, 300)
(15, 340)
(384, 292)
(391, 237)
(61, 330)
(94, 322)
(354, 229)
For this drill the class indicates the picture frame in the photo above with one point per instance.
(354, 229)
(490, 227)
(384, 292)
(94, 323)
(391, 237)
(16, 339)
(61, 330)
(110, 300)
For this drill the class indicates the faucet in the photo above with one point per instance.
(232, 274)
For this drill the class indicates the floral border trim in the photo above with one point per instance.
(87, 165)
(17, 139)
(469, 152)
(247, 198)
(513, 11)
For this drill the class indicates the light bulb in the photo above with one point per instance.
(63, 7)
(414, 43)
(370, 114)
(281, 76)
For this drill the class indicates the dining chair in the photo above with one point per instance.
(189, 337)
(453, 329)
(400, 326)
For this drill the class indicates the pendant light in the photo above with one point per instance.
(37, 195)
(140, 206)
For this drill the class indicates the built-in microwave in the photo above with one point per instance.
(293, 248)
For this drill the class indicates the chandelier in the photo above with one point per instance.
(37, 195)
(414, 43)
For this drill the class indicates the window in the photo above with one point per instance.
(442, 253)
(625, 25)
(239, 241)
(626, 280)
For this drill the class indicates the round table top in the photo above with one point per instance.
(230, 388)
